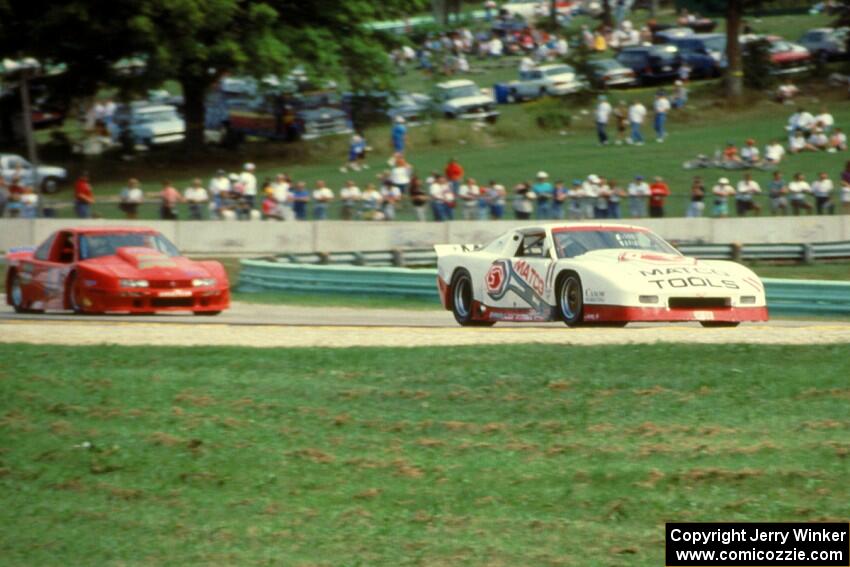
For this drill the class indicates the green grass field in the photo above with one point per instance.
(534, 455)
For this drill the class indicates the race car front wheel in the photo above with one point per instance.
(570, 300)
(463, 299)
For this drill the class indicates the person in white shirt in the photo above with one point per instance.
(400, 173)
(249, 184)
(468, 194)
(661, 107)
(798, 144)
(372, 200)
(495, 47)
(722, 191)
(822, 190)
(350, 197)
(797, 190)
(837, 141)
(526, 64)
(819, 139)
(591, 189)
(801, 120)
(562, 47)
(786, 91)
(219, 187)
(442, 198)
(825, 120)
(744, 202)
(774, 152)
(496, 199)
(750, 152)
(639, 192)
(196, 196)
(637, 114)
(845, 191)
(322, 197)
(29, 203)
(391, 196)
(603, 114)
(131, 198)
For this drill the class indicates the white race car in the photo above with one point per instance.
(592, 274)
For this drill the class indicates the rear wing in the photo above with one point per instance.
(446, 249)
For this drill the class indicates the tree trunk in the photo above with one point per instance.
(734, 74)
(194, 109)
(607, 19)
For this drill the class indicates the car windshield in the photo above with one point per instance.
(462, 91)
(715, 43)
(317, 100)
(780, 46)
(159, 116)
(573, 243)
(107, 244)
(606, 64)
(664, 52)
(559, 70)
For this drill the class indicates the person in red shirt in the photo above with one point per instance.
(169, 198)
(454, 173)
(658, 192)
(83, 197)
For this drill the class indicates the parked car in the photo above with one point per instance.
(705, 53)
(826, 44)
(668, 35)
(786, 57)
(553, 80)
(415, 108)
(610, 73)
(148, 124)
(651, 64)
(46, 177)
(462, 98)
(374, 107)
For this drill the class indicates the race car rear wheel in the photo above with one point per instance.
(570, 300)
(716, 324)
(16, 295)
(463, 299)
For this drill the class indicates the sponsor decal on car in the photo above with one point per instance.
(522, 279)
(690, 277)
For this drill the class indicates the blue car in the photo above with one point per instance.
(705, 53)
(651, 64)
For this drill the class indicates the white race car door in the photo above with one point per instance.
(515, 285)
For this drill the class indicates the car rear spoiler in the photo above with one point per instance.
(446, 249)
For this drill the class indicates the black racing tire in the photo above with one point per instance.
(462, 297)
(569, 299)
(719, 324)
(16, 295)
(72, 299)
(206, 313)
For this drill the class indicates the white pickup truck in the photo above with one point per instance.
(462, 98)
(554, 80)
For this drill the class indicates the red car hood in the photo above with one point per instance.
(789, 57)
(147, 263)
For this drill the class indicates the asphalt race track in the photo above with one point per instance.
(259, 325)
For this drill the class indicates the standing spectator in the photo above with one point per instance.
(391, 196)
(786, 92)
(418, 197)
(590, 193)
(83, 197)
(299, 197)
(399, 135)
(603, 194)
(169, 197)
(661, 107)
(4, 195)
(559, 197)
(744, 197)
(774, 152)
(197, 198)
(280, 189)
(639, 192)
(658, 192)
(603, 113)
(454, 173)
(776, 190)
(249, 184)
(469, 194)
(372, 202)
(615, 195)
(697, 206)
(621, 117)
(16, 189)
(322, 197)
(350, 197)
(356, 154)
(822, 190)
(543, 193)
(837, 141)
(270, 206)
(523, 201)
(131, 198)
(845, 189)
(441, 192)
(400, 173)
(797, 190)
(680, 95)
(722, 191)
(218, 188)
(576, 196)
(637, 113)
(496, 198)
(29, 203)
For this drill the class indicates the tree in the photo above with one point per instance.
(734, 73)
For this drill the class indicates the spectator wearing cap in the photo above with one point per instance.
(249, 184)
(638, 191)
(637, 114)
(300, 196)
(744, 197)
(722, 191)
(197, 198)
(661, 107)
(543, 194)
(658, 193)
(322, 197)
(399, 135)
(603, 114)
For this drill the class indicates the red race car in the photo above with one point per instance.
(99, 270)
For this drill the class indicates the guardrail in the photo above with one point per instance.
(784, 297)
(424, 257)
